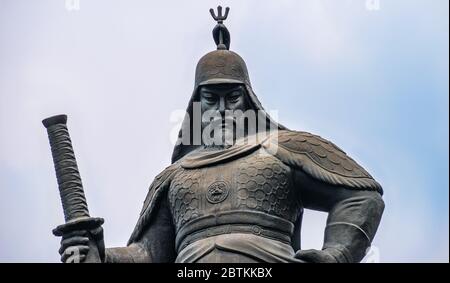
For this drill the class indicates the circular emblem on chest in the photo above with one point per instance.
(217, 192)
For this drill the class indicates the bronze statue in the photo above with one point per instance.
(241, 200)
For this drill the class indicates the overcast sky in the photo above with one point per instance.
(371, 78)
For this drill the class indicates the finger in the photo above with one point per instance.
(74, 251)
(316, 256)
(75, 233)
(80, 259)
(307, 259)
(305, 252)
(74, 241)
(308, 255)
(68, 259)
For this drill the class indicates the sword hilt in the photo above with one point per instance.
(69, 180)
(76, 213)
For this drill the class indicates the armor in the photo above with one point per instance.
(255, 191)
(251, 190)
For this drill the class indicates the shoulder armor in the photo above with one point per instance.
(320, 159)
(158, 186)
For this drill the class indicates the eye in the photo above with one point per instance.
(234, 96)
(210, 99)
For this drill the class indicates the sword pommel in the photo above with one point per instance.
(58, 119)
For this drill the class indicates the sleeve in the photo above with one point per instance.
(353, 216)
(329, 180)
(157, 243)
(320, 159)
(153, 238)
(155, 193)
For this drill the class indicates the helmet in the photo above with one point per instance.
(221, 66)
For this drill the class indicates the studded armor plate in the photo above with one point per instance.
(256, 182)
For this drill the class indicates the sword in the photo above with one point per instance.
(76, 213)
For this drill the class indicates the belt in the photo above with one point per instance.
(235, 228)
(270, 226)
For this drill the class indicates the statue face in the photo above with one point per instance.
(218, 103)
(222, 97)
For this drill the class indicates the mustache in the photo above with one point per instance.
(222, 121)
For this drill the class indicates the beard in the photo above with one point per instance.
(219, 132)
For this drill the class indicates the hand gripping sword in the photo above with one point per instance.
(76, 213)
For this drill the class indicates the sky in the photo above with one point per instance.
(371, 76)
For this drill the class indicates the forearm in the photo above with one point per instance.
(134, 253)
(352, 224)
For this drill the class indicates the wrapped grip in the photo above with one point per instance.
(67, 174)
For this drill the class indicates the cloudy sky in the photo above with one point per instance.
(371, 77)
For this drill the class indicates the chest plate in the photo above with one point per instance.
(256, 182)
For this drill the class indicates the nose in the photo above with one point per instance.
(222, 106)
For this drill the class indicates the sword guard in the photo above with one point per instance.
(82, 223)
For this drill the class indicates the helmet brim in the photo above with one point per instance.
(220, 81)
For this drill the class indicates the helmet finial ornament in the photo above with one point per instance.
(221, 34)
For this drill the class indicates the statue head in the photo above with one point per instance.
(222, 92)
